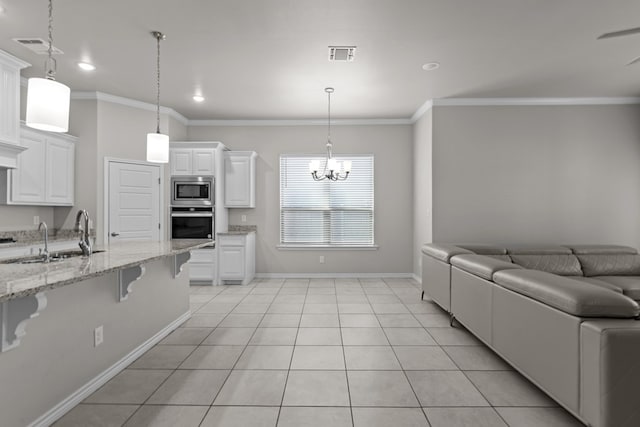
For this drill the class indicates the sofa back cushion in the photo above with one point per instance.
(563, 265)
(443, 252)
(481, 265)
(482, 249)
(602, 249)
(610, 265)
(539, 250)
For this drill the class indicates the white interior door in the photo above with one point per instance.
(134, 201)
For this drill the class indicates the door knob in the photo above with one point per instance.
(115, 234)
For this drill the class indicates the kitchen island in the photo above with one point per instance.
(55, 316)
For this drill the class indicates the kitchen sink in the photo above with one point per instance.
(39, 259)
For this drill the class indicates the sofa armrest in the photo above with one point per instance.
(443, 252)
(610, 372)
(571, 296)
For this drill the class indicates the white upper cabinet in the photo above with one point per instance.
(192, 161)
(10, 146)
(46, 171)
(240, 179)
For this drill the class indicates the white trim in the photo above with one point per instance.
(301, 122)
(428, 105)
(79, 395)
(535, 101)
(105, 199)
(128, 102)
(416, 278)
(334, 275)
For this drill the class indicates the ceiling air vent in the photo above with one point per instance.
(38, 46)
(341, 53)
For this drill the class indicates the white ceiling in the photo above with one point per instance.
(267, 59)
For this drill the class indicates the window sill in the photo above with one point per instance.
(326, 248)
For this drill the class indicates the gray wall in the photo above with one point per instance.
(392, 147)
(422, 184)
(551, 174)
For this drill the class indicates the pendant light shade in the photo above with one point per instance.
(48, 100)
(158, 143)
(157, 148)
(47, 105)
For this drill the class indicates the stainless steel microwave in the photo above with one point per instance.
(192, 191)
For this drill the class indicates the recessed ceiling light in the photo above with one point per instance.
(2, 9)
(198, 98)
(86, 66)
(430, 66)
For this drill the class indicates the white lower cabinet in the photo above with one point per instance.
(202, 265)
(237, 258)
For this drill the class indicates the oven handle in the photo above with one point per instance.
(191, 215)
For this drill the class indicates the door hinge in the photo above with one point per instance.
(158, 226)
(158, 181)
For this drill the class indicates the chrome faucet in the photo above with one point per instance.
(45, 252)
(85, 239)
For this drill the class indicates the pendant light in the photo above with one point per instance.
(158, 143)
(333, 170)
(47, 99)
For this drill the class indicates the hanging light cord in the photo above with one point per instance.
(50, 63)
(159, 36)
(329, 144)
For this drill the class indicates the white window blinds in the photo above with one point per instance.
(326, 213)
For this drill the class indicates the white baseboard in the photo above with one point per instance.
(79, 395)
(417, 278)
(334, 275)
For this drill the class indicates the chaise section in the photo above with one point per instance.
(471, 291)
(630, 285)
(610, 371)
(570, 296)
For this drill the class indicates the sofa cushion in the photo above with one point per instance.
(443, 252)
(571, 296)
(601, 283)
(630, 285)
(539, 250)
(610, 265)
(481, 265)
(564, 265)
(602, 249)
(505, 258)
(481, 249)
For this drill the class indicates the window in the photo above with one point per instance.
(326, 213)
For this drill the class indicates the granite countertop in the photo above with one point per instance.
(34, 237)
(18, 280)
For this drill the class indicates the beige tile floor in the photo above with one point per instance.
(318, 352)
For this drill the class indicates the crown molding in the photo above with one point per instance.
(428, 105)
(301, 122)
(472, 102)
(128, 102)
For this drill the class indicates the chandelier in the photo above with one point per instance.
(333, 170)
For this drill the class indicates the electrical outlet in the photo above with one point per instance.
(98, 336)
(243, 218)
(36, 220)
(321, 259)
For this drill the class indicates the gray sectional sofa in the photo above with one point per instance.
(566, 317)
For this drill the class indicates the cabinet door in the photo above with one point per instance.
(232, 262)
(238, 181)
(181, 161)
(204, 161)
(60, 167)
(28, 180)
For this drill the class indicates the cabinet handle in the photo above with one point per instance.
(115, 234)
